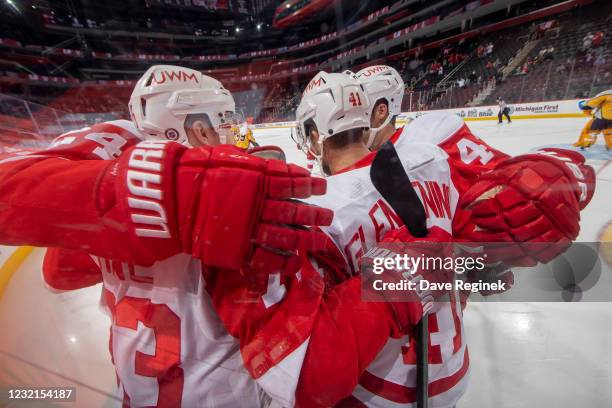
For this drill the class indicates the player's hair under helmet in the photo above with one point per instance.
(382, 82)
(166, 94)
(333, 103)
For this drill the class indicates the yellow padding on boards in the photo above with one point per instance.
(11, 265)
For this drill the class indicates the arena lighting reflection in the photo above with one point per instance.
(293, 12)
(522, 322)
(12, 4)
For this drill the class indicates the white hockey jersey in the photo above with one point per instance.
(361, 218)
(168, 345)
(167, 342)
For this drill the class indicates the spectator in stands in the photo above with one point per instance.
(526, 67)
(480, 51)
(473, 76)
(597, 39)
(461, 82)
(587, 41)
(523, 70)
(489, 48)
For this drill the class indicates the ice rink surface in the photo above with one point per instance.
(522, 354)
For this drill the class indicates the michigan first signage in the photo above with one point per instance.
(549, 109)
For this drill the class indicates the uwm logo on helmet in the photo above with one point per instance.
(174, 76)
(315, 83)
(377, 69)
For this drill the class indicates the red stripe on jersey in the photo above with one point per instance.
(396, 135)
(406, 395)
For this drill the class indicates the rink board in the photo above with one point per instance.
(534, 110)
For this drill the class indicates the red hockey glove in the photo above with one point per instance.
(533, 198)
(222, 206)
(268, 152)
(408, 306)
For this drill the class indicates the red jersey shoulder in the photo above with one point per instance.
(104, 141)
(469, 155)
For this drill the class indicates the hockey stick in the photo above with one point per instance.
(390, 179)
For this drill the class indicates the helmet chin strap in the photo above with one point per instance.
(319, 157)
(375, 130)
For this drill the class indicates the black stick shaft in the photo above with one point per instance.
(390, 179)
(422, 351)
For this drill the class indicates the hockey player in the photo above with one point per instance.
(315, 325)
(244, 135)
(334, 156)
(600, 108)
(555, 172)
(147, 217)
(332, 116)
(504, 110)
(588, 136)
(373, 343)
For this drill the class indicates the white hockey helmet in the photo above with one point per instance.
(334, 103)
(382, 82)
(166, 94)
